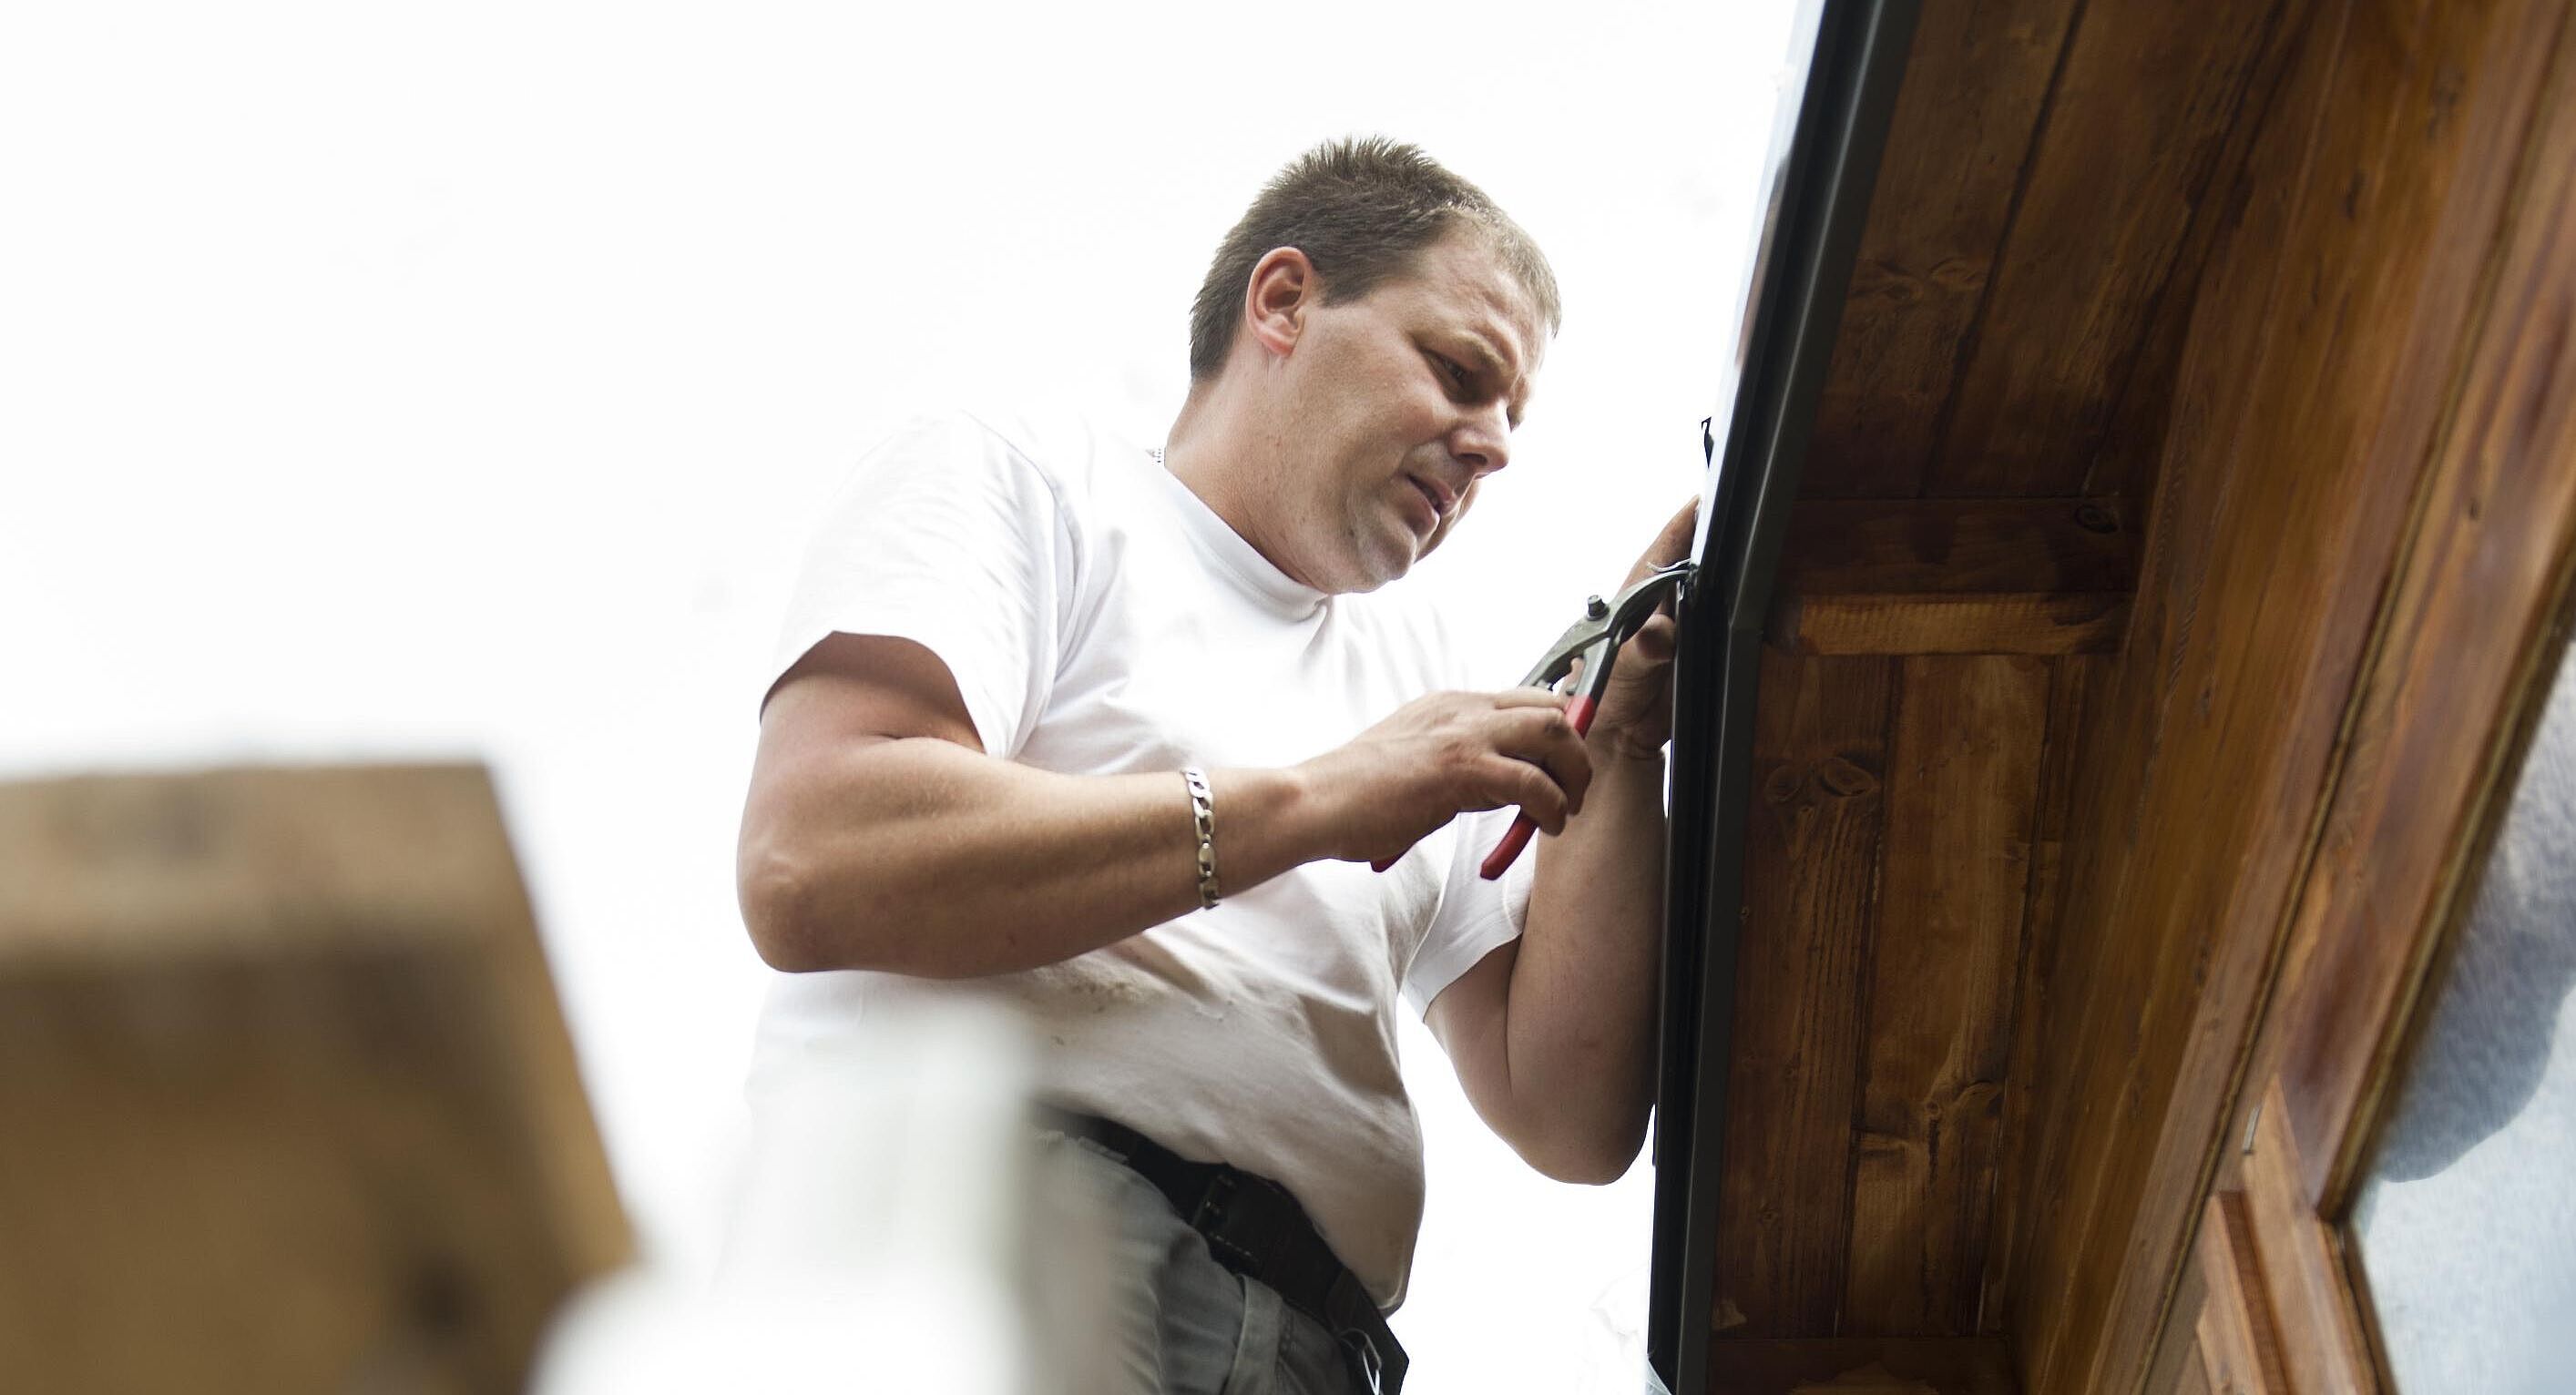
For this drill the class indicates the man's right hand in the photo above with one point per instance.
(1446, 754)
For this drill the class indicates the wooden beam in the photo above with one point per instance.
(2470, 635)
(2240, 1346)
(1948, 576)
(1859, 1366)
(2329, 344)
(289, 1104)
(2192, 1378)
(2177, 1368)
(2299, 1262)
(1841, 547)
(1928, 625)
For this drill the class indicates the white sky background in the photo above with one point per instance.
(461, 380)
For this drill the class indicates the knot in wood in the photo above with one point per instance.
(1844, 779)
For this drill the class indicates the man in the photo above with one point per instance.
(1112, 735)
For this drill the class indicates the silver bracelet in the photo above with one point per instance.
(1203, 812)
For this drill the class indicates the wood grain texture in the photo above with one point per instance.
(1860, 1366)
(1951, 576)
(2324, 344)
(2301, 1264)
(2015, 1207)
(1843, 547)
(2464, 665)
(2177, 1366)
(1974, 86)
(2125, 465)
(2139, 112)
(1810, 867)
(2239, 1342)
(2086, 1096)
(2015, 623)
(1962, 791)
(290, 1103)
(2192, 1379)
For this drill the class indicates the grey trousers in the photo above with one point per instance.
(1181, 1323)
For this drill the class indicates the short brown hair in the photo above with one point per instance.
(1361, 210)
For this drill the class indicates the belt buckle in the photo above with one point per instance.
(1364, 1359)
(1211, 1207)
(1353, 1318)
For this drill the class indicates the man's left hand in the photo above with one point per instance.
(1636, 714)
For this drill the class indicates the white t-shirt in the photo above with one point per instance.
(1099, 618)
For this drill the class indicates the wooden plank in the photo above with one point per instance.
(2015, 1205)
(1860, 1366)
(2077, 1099)
(2081, 1098)
(2192, 1379)
(2239, 1343)
(1847, 547)
(2177, 1368)
(289, 1102)
(2147, 90)
(1949, 576)
(2327, 343)
(2081, 623)
(1974, 86)
(2301, 1266)
(2125, 463)
(2464, 83)
(1810, 872)
(1962, 789)
(2472, 638)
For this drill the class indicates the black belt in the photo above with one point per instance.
(1255, 1228)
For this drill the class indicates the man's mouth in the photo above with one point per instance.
(1439, 506)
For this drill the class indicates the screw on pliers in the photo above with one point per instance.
(1594, 640)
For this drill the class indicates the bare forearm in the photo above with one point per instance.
(924, 857)
(1581, 1021)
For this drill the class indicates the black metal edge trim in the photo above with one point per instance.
(1849, 101)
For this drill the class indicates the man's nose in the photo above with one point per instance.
(1483, 440)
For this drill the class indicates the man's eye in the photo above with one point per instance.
(1457, 375)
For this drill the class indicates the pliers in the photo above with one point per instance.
(1594, 639)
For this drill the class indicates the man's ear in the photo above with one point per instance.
(1283, 288)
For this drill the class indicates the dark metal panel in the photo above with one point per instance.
(1824, 161)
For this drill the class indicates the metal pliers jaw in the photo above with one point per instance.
(1595, 639)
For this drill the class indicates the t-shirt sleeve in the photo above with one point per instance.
(1475, 916)
(948, 536)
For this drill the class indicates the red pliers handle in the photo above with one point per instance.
(1595, 640)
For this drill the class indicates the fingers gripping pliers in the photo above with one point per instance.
(1594, 642)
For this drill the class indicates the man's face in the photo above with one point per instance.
(1396, 404)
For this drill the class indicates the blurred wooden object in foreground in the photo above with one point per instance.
(286, 1101)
